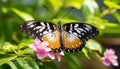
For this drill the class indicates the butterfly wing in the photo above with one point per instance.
(76, 34)
(71, 42)
(46, 31)
(37, 29)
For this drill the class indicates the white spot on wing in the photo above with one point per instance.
(76, 25)
(42, 23)
(87, 29)
(29, 23)
(82, 30)
(38, 27)
(20, 25)
(31, 26)
(78, 30)
(45, 32)
(71, 27)
(48, 26)
(88, 26)
(75, 34)
(37, 31)
(40, 30)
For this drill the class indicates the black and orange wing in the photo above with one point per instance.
(76, 34)
(45, 31)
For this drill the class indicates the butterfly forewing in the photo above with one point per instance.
(81, 30)
(37, 29)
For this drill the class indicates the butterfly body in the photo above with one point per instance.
(70, 37)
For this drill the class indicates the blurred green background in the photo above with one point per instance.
(104, 14)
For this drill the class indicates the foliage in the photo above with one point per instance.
(14, 50)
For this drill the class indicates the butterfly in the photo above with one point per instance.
(70, 37)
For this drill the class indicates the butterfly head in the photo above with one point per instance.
(59, 26)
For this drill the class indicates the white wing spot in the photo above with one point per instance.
(80, 36)
(31, 26)
(38, 27)
(40, 33)
(37, 31)
(40, 30)
(88, 26)
(71, 27)
(45, 32)
(20, 25)
(75, 34)
(76, 25)
(42, 23)
(81, 29)
(30, 23)
(48, 26)
(78, 30)
(70, 31)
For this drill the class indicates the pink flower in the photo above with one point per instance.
(58, 55)
(110, 58)
(43, 51)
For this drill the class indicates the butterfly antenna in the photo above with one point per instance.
(49, 11)
(67, 13)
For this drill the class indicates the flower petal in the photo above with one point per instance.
(41, 54)
(115, 63)
(110, 57)
(45, 43)
(37, 41)
(34, 46)
(58, 55)
(106, 62)
(48, 49)
(51, 55)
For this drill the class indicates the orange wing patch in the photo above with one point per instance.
(53, 39)
(71, 41)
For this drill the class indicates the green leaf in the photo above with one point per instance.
(85, 50)
(27, 51)
(12, 65)
(48, 65)
(72, 60)
(31, 62)
(94, 45)
(117, 16)
(4, 59)
(25, 16)
(111, 4)
(57, 4)
(90, 8)
(74, 3)
(23, 64)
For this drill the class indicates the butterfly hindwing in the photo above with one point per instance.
(71, 42)
(37, 29)
(53, 40)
